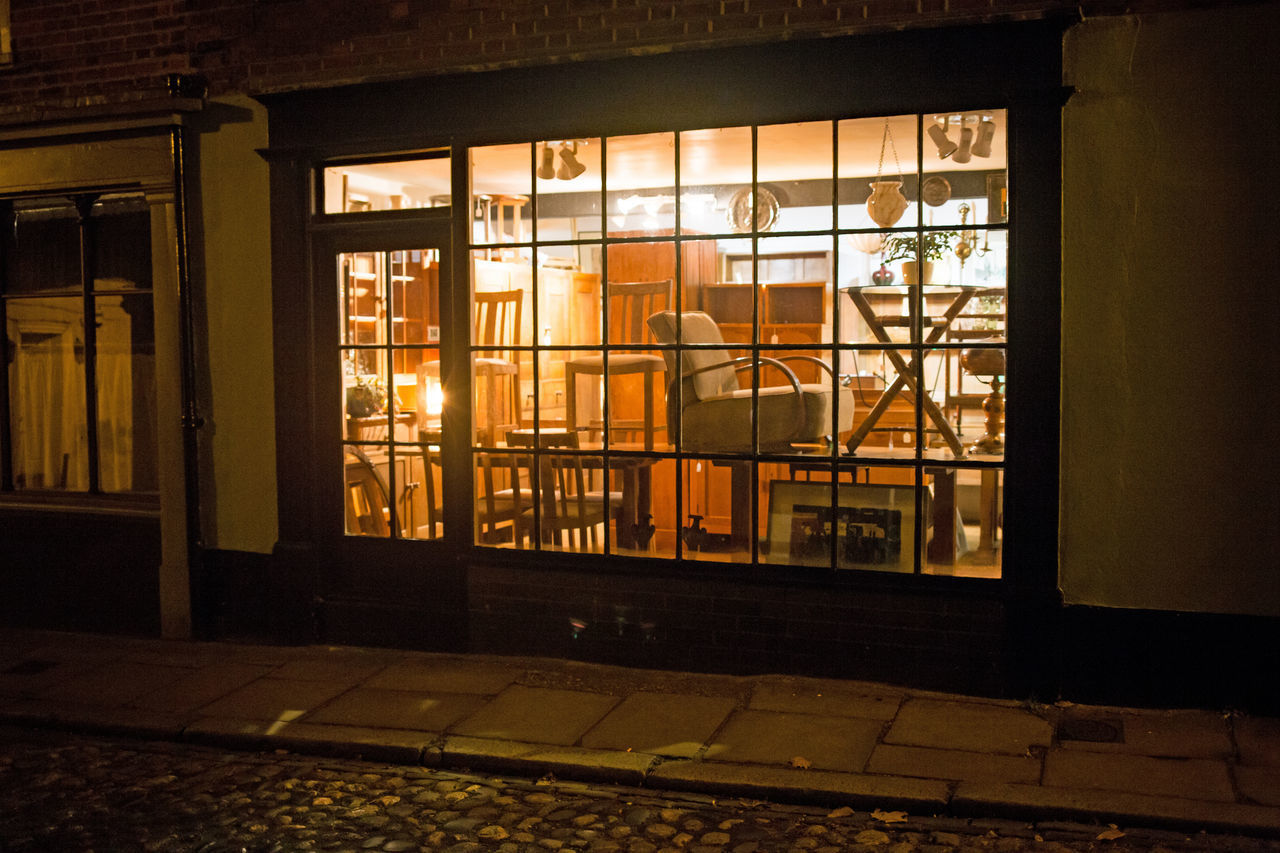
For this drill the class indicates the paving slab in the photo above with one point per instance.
(445, 676)
(396, 709)
(1193, 778)
(273, 699)
(829, 700)
(199, 687)
(660, 723)
(113, 683)
(392, 745)
(771, 737)
(1036, 801)
(337, 667)
(924, 796)
(32, 674)
(537, 715)
(590, 765)
(970, 726)
(955, 764)
(1258, 739)
(154, 725)
(1172, 734)
(1259, 784)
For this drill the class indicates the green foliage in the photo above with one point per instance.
(933, 244)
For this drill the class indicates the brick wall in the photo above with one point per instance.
(951, 642)
(78, 52)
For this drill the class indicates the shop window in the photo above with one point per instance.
(79, 392)
(364, 186)
(781, 344)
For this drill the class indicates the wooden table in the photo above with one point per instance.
(906, 377)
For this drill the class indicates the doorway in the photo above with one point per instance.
(384, 363)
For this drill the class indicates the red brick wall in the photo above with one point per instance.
(76, 52)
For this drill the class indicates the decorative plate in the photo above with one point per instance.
(935, 190)
(740, 210)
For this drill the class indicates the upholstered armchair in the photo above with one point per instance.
(714, 410)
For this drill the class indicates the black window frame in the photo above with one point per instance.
(83, 200)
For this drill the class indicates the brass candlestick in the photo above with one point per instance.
(984, 363)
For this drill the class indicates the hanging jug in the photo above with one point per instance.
(887, 203)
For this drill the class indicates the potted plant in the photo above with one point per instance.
(933, 246)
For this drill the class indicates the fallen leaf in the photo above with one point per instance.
(801, 762)
(871, 837)
(889, 817)
(843, 811)
(1110, 834)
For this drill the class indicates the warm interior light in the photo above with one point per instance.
(435, 397)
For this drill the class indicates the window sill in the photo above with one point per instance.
(138, 506)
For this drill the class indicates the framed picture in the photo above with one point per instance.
(874, 526)
(997, 197)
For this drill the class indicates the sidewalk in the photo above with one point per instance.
(806, 740)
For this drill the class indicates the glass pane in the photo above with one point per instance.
(637, 398)
(504, 504)
(501, 182)
(640, 283)
(46, 393)
(422, 511)
(413, 279)
(716, 413)
(46, 250)
(568, 303)
(122, 243)
(653, 531)
(795, 278)
(718, 510)
(362, 292)
(568, 184)
(884, 414)
(974, 401)
(126, 383)
(877, 151)
(875, 524)
(365, 491)
(797, 421)
(965, 161)
(496, 384)
(965, 522)
(641, 184)
(715, 165)
(797, 506)
(386, 186)
(794, 179)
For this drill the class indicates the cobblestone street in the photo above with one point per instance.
(64, 792)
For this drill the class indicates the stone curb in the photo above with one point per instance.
(1035, 802)
(588, 765)
(818, 787)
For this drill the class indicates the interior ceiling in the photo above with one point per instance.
(718, 156)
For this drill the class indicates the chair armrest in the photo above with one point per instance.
(812, 359)
(744, 362)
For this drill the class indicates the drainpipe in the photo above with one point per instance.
(191, 420)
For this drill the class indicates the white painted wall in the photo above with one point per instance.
(1171, 356)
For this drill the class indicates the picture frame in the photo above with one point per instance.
(874, 526)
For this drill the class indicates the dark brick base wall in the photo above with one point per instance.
(72, 572)
(731, 626)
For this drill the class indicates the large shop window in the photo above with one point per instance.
(780, 344)
(77, 400)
